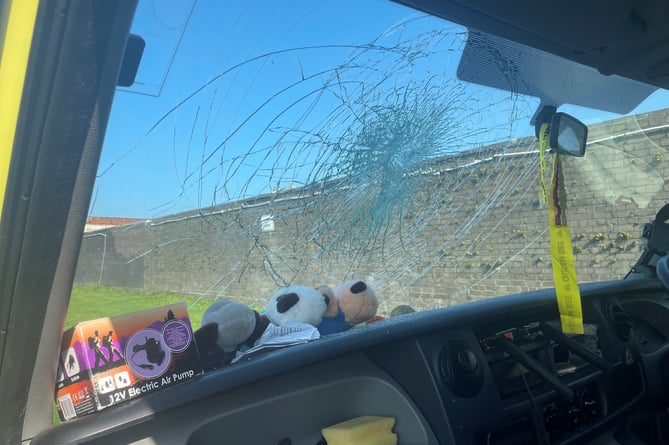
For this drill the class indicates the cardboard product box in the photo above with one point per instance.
(110, 360)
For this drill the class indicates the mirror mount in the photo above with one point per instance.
(543, 115)
(134, 50)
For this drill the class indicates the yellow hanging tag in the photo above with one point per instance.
(562, 255)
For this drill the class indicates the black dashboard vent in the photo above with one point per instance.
(620, 320)
(461, 369)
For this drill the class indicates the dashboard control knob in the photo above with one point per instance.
(465, 360)
(461, 369)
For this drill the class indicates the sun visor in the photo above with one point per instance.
(499, 63)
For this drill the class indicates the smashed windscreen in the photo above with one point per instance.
(269, 144)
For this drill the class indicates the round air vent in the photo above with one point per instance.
(461, 369)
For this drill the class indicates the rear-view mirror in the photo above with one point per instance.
(568, 135)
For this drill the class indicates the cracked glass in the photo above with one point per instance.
(274, 143)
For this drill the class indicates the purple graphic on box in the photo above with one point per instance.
(146, 354)
(82, 355)
(177, 335)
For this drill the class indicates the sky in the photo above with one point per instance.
(227, 89)
(187, 46)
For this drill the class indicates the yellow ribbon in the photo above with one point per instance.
(562, 255)
(543, 147)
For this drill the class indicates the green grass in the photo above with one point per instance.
(91, 302)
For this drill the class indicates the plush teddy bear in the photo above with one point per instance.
(299, 304)
(226, 327)
(350, 303)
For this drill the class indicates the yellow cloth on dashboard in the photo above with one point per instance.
(365, 430)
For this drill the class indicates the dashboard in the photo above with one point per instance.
(495, 371)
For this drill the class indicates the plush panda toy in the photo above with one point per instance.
(228, 327)
(299, 304)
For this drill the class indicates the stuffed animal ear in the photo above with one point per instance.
(358, 287)
(286, 301)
